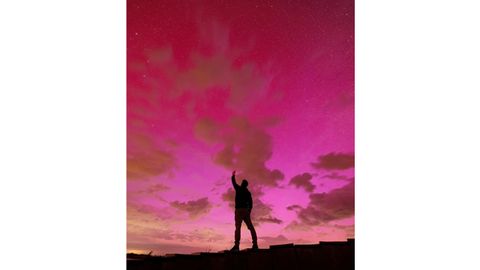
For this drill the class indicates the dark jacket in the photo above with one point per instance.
(243, 198)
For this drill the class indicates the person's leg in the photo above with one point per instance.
(249, 224)
(238, 225)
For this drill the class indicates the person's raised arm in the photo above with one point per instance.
(234, 182)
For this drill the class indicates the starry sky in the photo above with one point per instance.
(265, 88)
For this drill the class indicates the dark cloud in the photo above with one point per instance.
(294, 207)
(144, 165)
(269, 219)
(148, 213)
(219, 186)
(146, 159)
(303, 180)
(335, 161)
(297, 226)
(337, 176)
(193, 208)
(324, 207)
(262, 213)
(155, 188)
(247, 148)
(229, 196)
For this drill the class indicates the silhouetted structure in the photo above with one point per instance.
(325, 256)
(243, 208)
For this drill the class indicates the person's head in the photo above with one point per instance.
(244, 183)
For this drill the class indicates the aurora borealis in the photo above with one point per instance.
(262, 87)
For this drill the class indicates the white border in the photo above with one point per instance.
(417, 134)
(62, 138)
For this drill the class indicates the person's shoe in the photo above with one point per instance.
(235, 248)
(255, 247)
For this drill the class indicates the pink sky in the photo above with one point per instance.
(262, 87)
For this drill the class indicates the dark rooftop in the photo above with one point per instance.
(324, 255)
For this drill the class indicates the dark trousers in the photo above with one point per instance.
(243, 214)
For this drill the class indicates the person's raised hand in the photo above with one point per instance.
(233, 173)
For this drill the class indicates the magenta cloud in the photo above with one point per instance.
(335, 161)
(323, 207)
(194, 208)
(303, 181)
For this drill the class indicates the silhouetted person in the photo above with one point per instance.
(243, 207)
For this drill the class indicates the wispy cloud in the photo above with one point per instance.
(324, 207)
(194, 208)
(303, 181)
(145, 159)
(335, 161)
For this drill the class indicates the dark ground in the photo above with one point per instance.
(325, 256)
